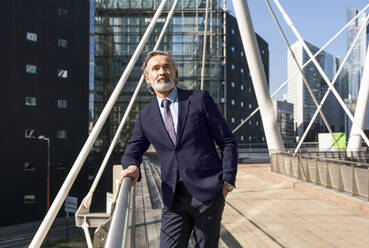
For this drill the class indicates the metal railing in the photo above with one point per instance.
(119, 232)
(343, 175)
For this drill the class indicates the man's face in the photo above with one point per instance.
(160, 73)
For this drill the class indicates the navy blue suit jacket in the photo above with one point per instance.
(195, 156)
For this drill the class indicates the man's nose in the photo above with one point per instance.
(162, 71)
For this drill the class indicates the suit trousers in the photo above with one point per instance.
(188, 215)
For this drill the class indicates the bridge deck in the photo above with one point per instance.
(269, 210)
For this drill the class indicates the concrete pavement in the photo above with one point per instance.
(270, 210)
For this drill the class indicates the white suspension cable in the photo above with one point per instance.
(302, 74)
(323, 74)
(328, 91)
(88, 198)
(204, 45)
(307, 62)
(60, 197)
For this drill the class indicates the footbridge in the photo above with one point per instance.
(302, 198)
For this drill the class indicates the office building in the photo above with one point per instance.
(44, 92)
(298, 95)
(119, 27)
(284, 115)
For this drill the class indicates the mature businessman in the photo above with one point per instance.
(183, 125)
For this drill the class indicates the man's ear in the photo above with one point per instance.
(146, 77)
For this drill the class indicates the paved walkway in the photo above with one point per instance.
(268, 210)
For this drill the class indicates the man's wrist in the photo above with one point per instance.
(229, 187)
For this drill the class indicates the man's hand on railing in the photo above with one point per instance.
(132, 171)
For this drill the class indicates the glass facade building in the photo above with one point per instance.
(298, 94)
(119, 26)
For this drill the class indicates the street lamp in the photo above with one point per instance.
(42, 137)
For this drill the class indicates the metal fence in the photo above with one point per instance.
(341, 171)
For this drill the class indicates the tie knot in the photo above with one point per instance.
(166, 103)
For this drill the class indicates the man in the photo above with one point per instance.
(182, 125)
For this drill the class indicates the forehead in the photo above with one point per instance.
(158, 60)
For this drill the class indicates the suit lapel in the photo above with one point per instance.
(158, 120)
(183, 104)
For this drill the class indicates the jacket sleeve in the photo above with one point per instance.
(136, 147)
(223, 137)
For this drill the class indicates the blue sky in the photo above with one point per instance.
(316, 20)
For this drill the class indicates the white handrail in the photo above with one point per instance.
(204, 45)
(63, 192)
(87, 200)
(119, 223)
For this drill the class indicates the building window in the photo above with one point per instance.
(241, 70)
(232, 120)
(31, 101)
(222, 63)
(233, 49)
(233, 84)
(233, 67)
(62, 73)
(262, 138)
(62, 12)
(29, 199)
(257, 123)
(250, 106)
(61, 166)
(31, 69)
(62, 43)
(31, 36)
(222, 82)
(233, 102)
(249, 89)
(62, 103)
(242, 87)
(61, 134)
(262, 51)
(242, 104)
(222, 99)
(250, 123)
(242, 54)
(242, 138)
(29, 133)
(250, 138)
(29, 166)
(233, 32)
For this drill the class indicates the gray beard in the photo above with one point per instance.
(163, 87)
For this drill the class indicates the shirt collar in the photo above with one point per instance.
(171, 97)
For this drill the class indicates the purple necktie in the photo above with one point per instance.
(168, 121)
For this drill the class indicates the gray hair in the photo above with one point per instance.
(146, 61)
